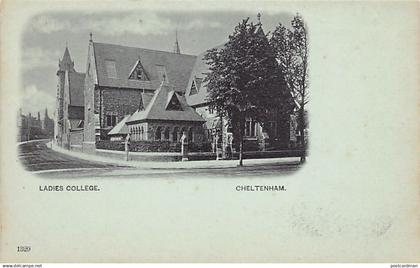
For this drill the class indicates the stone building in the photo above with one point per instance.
(153, 95)
(166, 117)
(217, 130)
(30, 127)
(47, 124)
(69, 121)
(120, 79)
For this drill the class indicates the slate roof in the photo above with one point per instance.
(156, 109)
(76, 87)
(120, 128)
(145, 100)
(198, 74)
(178, 66)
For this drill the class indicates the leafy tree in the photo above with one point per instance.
(245, 80)
(292, 53)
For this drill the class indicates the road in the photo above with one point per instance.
(40, 159)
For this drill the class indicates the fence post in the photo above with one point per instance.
(126, 146)
(184, 147)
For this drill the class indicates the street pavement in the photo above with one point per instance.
(40, 159)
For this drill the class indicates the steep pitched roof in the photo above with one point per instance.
(76, 87)
(120, 128)
(178, 66)
(145, 100)
(197, 75)
(157, 108)
(66, 63)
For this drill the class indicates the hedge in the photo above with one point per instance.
(151, 146)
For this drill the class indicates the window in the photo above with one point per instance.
(193, 90)
(111, 70)
(166, 134)
(174, 103)
(175, 134)
(190, 134)
(161, 71)
(272, 127)
(158, 133)
(111, 120)
(250, 127)
(138, 73)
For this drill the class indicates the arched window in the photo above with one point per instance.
(136, 133)
(190, 134)
(183, 130)
(158, 133)
(141, 130)
(166, 133)
(175, 134)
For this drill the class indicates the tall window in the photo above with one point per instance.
(190, 134)
(250, 128)
(175, 134)
(111, 70)
(158, 133)
(111, 120)
(166, 133)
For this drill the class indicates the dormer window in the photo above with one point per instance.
(193, 89)
(174, 103)
(138, 73)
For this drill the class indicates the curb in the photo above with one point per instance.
(210, 164)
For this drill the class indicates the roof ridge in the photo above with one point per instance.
(148, 49)
(153, 100)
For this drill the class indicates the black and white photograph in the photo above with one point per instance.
(209, 132)
(216, 89)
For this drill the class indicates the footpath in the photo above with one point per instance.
(199, 164)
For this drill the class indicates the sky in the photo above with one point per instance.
(47, 35)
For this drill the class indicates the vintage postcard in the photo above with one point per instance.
(209, 131)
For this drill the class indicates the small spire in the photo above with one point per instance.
(176, 46)
(259, 17)
(90, 37)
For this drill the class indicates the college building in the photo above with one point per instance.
(155, 96)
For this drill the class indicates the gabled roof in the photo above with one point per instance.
(121, 128)
(76, 87)
(156, 110)
(145, 100)
(66, 64)
(197, 75)
(178, 66)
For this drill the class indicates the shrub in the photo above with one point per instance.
(140, 146)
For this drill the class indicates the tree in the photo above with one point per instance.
(300, 41)
(292, 53)
(244, 80)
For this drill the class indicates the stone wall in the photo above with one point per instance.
(119, 102)
(76, 137)
(90, 109)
